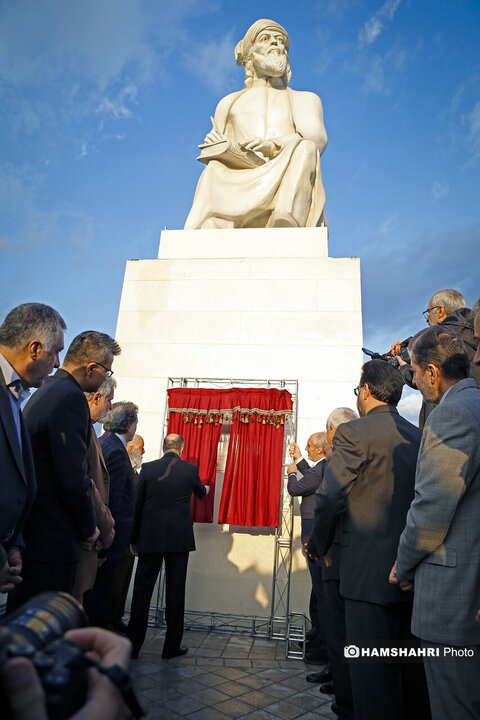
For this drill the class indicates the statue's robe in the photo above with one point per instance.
(247, 198)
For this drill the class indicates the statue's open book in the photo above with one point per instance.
(229, 153)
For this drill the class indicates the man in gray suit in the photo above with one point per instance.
(439, 550)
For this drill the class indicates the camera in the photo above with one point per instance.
(351, 651)
(392, 359)
(35, 631)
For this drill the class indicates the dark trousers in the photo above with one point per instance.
(453, 685)
(320, 640)
(390, 691)
(40, 577)
(96, 600)
(148, 567)
(114, 608)
(335, 623)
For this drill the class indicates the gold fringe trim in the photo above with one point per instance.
(246, 415)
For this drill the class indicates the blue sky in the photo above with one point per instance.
(104, 102)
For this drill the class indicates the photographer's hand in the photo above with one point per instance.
(104, 702)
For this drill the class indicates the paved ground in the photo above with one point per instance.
(226, 676)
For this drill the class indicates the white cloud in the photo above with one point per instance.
(409, 405)
(439, 190)
(213, 62)
(375, 25)
(460, 122)
(117, 106)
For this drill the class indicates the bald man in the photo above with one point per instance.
(305, 487)
(163, 532)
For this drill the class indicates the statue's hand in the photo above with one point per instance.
(267, 147)
(213, 137)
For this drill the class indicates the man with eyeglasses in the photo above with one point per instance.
(57, 419)
(367, 491)
(447, 308)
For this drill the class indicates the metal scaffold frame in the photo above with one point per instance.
(281, 624)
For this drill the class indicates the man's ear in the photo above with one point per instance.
(433, 374)
(442, 313)
(366, 391)
(33, 349)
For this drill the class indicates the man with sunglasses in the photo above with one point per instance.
(57, 419)
(446, 307)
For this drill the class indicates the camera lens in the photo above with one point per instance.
(45, 618)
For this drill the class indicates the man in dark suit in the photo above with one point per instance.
(57, 418)
(31, 337)
(100, 404)
(306, 487)
(439, 549)
(120, 427)
(334, 603)
(369, 485)
(163, 530)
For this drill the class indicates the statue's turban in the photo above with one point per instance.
(243, 48)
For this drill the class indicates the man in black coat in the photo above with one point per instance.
(120, 428)
(368, 487)
(57, 418)
(163, 530)
(31, 337)
(306, 487)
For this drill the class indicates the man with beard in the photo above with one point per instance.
(280, 135)
(99, 403)
(368, 488)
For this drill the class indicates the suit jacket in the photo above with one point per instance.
(440, 546)
(306, 486)
(57, 418)
(163, 521)
(369, 484)
(17, 477)
(122, 483)
(100, 484)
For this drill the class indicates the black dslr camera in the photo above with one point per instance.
(392, 359)
(35, 631)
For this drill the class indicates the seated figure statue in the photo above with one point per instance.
(281, 135)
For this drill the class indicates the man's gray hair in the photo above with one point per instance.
(105, 389)
(450, 299)
(341, 415)
(173, 442)
(319, 439)
(31, 321)
(476, 307)
(92, 346)
(121, 416)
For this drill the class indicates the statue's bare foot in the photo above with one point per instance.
(283, 220)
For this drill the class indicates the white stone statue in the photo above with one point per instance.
(263, 153)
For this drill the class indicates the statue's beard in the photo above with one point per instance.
(270, 65)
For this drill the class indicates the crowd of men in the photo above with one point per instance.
(394, 539)
(67, 498)
(389, 511)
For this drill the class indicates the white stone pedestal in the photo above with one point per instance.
(250, 304)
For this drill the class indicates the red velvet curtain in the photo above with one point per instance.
(253, 473)
(201, 434)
